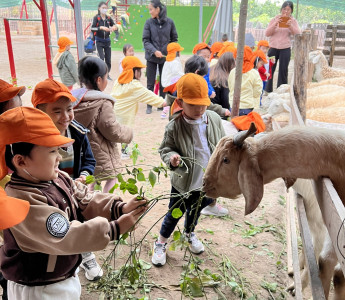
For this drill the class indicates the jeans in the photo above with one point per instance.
(104, 52)
(124, 22)
(151, 69)
(283, 56)
(245, 111)
(193, 212)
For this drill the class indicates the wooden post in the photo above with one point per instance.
(239, 58)
(301, 71)
(312, 47)
(334, 38)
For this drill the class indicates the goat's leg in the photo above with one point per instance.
(339, 283)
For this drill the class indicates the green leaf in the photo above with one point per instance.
(90, 179)
(97, 187)
(132, 180)
(144, 265)
(132, 188)
(120, 178)
(123, 186)
(152, 178)
(195, 288)
(124, 236)
(176, 213)
(209, 231)
(176, 235)
(132, 274)
(141, 176)
(113, 188)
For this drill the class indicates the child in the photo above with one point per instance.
(118, 29)
(114, 4)
(194, 133)
(172, 71)
(125, 19)
(259, 61)
(95, 111)
(128, 92)
(40, 255)
(65, 63)
(128, 50)
(251, 87)
(215, 48)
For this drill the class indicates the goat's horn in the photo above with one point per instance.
(240, 137)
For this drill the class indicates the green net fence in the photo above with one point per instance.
(337, 5)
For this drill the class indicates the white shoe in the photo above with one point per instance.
(93, 271)
(159, 256)
(215, 210)
(195, 245)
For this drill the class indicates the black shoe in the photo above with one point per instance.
(109, 78)
(160, 108)
(148, 109)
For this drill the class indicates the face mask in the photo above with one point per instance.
(104, 11)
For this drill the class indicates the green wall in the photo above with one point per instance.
(186, 20)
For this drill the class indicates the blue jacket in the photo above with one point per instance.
(84, 160)
(210, 87)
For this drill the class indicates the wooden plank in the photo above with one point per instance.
(331, 54)
(339, 27)
(309, 253)
(337, 52)
(294, 248)
(288, 239)
(337, 43)
(333, 214)
(340, 35)
(295, 116)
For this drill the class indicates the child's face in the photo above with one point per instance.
(130, 51)
(264, 49)
(102, 82)
(12, 103)
(205, 53)
(193, 112)
(68, 47)
(260, 64)
(42, 164)
(61, 112)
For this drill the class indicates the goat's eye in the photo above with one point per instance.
(226, 160)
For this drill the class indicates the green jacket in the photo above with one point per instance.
(178, 139)
(67, 69)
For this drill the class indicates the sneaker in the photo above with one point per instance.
(165, 112)
(116, 40)
(159, 256)
(215, 210)
(149, 110)
(160, 108)
(195, 245)
(93, 271)
(109, 78)
(125, 156)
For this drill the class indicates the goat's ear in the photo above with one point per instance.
(316, 59)
(251, 184)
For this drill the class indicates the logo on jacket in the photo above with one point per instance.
(57, 225)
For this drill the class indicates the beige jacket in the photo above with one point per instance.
(96, 113)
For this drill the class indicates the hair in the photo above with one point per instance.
(198, 52)
(256, 61)
(42, 107)
(219, 73)
(125, 48)
(89, 69)
(287, 3)
(196, 63)
(162, 8)
(100, 4)
(135, 69)
(17, 148)
(2, 106)
(224, 37)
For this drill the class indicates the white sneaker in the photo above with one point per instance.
(159, 256)
(93, 271)
(195, 245)
(215, 210)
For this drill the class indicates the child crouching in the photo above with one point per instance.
(195, 134)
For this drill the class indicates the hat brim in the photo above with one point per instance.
(11, 92)
(65, 94)
(13, 211)
(197, 101)
(52, 141)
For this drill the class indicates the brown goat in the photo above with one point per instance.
(242, 165)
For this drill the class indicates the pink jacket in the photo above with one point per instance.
(280, 38)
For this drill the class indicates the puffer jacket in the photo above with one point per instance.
(96, 112)
(67, 69)
(157, 35)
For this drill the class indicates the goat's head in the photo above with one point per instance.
(278, 106)
(315, 56)
(233, 170)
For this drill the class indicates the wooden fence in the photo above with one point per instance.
(334, 44)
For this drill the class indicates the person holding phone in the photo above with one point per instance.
(280, 31)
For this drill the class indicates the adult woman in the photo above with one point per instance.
(279, 31)
(158, 32)
(102, 26)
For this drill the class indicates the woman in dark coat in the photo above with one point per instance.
(158, 32)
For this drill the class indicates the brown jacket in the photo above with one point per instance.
(96, 112)
(45, 247)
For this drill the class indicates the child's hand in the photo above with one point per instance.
(164, 104)
(133, 204)
(213, 95)
(127, 221)
(81, 178)
(227, 113)
(175, 160)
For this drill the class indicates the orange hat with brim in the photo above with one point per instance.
(172, 49)
(243, 122)
(261, 54)
(49, 91)
(199, 47)
(12, 210)
(63, 42)
(263, 43)
(247, 59)
(29, 125)
(128, 63)
(228, 48)
(215, 48)
(170, 88)
(8, 91)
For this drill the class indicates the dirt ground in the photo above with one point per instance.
(259, 259)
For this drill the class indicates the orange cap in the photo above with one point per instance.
(228, 48)
(193, 89)
(12, 210)
(199, 47)
(63, 42)
(261, 54)
(29, 125)
(118, 23)
(247, 59)
(128, 63)
(215, 48)
(172, 49)
(8, 91)
(49, 91)
(263, 43)
(227, 43)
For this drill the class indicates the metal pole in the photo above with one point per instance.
(200, 21)
(79, 29)
(10, 51)
(231, 36)
(56, 20)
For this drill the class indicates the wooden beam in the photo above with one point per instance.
(336, 52)
(331, 54)
(288, 238)
(328, 43)
(340, 35)
(340, 27)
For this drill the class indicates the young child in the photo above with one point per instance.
(128, 50)
(128, 92)
(215, 48)
(114, 4)
(194, 133)
(259, 61)
(172, 72)
(118, 29)
(40, 255)
(94, 110)
(125, 19)
(65, 63)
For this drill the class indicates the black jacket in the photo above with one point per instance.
(157, 35)
(97, 22)
(83, 156)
